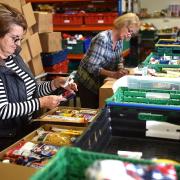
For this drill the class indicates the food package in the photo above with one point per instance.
(57, 136)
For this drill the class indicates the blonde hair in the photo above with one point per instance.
(126, 20)
(9, 16)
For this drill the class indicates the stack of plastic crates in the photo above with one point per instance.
(71, 164)
(159, 109)
(168, 47)
(161, 62)
(155, 98)
(167, 55)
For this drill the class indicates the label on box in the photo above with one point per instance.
(67, 21)
(69, 47)
(74, 41)
(100, 21)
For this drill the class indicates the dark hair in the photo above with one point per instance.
(8, 17)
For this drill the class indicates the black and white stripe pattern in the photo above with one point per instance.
(12, 110)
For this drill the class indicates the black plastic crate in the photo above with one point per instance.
(116, 134)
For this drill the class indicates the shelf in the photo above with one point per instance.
(55, 1)
(75, 56)
(82, 28)
(166, 34)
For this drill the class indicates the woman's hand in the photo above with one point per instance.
(61, 82)
(51, 101)
(120, 73)
(58, 82)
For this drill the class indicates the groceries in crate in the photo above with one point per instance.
(57, 136)
(165, 64)
(76, 44)
(116, 169)
(30, 154)
(72, 115)
(171, 60)
(168, 46)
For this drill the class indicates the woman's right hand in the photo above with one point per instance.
(51, 101)
(120, 73)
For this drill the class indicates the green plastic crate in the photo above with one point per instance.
(75, 47)
(157, 67)
(163, 46)
(126, 95)
(71, 164)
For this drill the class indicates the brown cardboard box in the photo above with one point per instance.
(29, 15)
(51, 42)
(21, 172)
(14, 3)
(44, 22)
(105, 92)
(36, 65)
(25, 54)
(15, 172)
(62, 119)
(34, 45)
(23, 2)
(28, 33)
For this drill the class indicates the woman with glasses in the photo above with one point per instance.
(20, 95)
(103, 57)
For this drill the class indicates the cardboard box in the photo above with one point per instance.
(19, 172)
(15, 172)
(34, 45)
(51, 42)
(44, 22)
(36, 65)
(13, 3)
(105, 92)
(28, 14)
(25, 54)
(28, 33)
(73, 119)
(23, 2)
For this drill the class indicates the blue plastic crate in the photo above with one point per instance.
(50, 59)
(87, 43)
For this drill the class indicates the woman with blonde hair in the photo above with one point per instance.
(103, 57)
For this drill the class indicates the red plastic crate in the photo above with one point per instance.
(100, 18)
(68, 19)
(61, 67)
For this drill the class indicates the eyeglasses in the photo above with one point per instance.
(15, 39)
(130, 31)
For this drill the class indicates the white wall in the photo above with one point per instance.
(157, 5)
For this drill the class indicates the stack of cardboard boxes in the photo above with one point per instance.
(31, 46)
(39, 36)
(53, 58)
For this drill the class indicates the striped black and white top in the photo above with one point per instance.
(12, 110)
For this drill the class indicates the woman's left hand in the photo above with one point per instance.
(60, 82)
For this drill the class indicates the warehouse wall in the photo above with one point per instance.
(156, 5)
